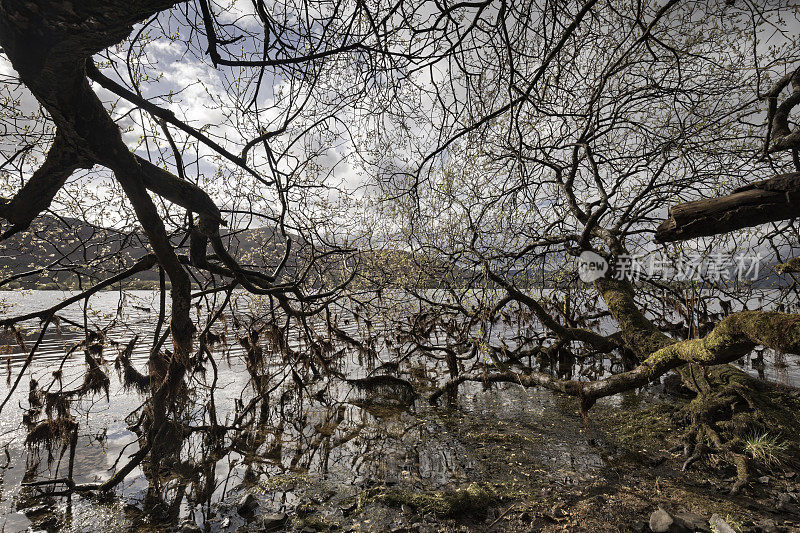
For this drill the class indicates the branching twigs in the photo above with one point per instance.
(293, 59)
(117, 478)
(769, 200)
(28, 360)
(168, 116)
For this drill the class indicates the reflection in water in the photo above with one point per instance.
(261, 411)
(309, 425)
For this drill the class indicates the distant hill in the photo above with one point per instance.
(71, 248)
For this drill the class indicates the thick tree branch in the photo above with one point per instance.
(37, 194)
(779, 135)
(166, 115)
(638, 333)
(596, 340)
(145, 263)
(765, 201)
(733, 337)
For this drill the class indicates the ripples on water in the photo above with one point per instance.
(335, 439)
(339, 439)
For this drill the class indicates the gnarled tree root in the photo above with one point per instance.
(730, 408)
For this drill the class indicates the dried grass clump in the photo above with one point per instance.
(56, 404)
(133, 379)
(95, 350)
(51, 431)
(34, 395)
(212, 339)
(95, 381)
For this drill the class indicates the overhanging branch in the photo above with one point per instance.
(761, 202)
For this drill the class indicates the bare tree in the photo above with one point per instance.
(569, 129)
(110, 171)
(182, 180)
(506, 138)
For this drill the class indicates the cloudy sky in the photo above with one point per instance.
(331, 139)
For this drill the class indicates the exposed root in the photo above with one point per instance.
(738, 460)
(694, 451)
(729, 409)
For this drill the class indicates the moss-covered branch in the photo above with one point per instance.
(638, 333)
(734, 337)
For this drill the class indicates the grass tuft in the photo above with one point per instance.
(766, 449)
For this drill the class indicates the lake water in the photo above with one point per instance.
(327, 434)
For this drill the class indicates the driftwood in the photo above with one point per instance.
(758, 203)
